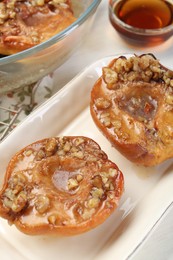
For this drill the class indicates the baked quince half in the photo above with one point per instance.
(132, 105)
(60, 186)
(26, 23)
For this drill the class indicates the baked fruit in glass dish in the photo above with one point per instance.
(24, 24)
(132, 105)
(39, 36)
(61, 186)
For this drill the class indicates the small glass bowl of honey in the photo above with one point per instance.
(147, 22)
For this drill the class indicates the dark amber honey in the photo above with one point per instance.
(144, 16)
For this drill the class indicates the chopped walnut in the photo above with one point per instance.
(97, 192)
(67, 147)
(112, 172)
(40, 155)
(79, 141)
(93, 202)
(102, 103)
(145, 68)
(28, 152)
(72, 184)
(51, 146)
(79, 177)
(42, 203)
(97, 181)
(19, 202)
(54, 219)
(116, 123)
(105, 119)
(109, 75)
(87, 214)
(169, 99)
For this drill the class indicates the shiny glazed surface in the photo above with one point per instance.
(132, 105)
(63, 186)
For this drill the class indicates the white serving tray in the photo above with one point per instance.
(148, 191)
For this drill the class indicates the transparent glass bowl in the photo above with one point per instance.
(136, 35)
(27, 67)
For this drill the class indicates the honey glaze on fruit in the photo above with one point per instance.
(139, 103)
(60, 182)
(132, 104)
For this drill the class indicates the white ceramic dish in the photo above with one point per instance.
(148, 191)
